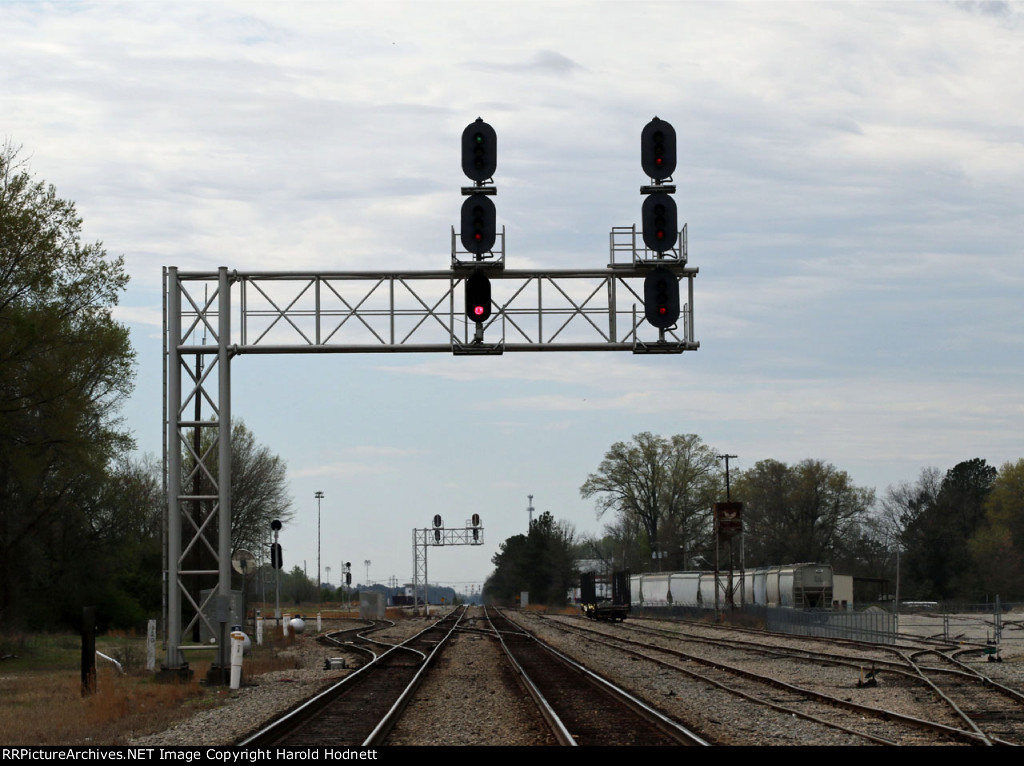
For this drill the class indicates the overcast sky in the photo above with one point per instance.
(852, 177)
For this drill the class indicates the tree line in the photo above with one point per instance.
(81, 520)
(953, 535)
(957, 534)
(66, 519)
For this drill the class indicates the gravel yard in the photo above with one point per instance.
(470, 698)
(264, 696)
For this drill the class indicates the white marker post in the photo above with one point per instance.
(237, 649)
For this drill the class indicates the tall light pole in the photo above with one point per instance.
(319, 496)
(367, 562)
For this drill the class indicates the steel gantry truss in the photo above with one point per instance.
(212, 316)
(436, 537)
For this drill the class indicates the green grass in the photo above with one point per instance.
(47, 651)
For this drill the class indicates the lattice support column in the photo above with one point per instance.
(199, 503)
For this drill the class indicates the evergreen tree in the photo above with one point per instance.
(540, 562)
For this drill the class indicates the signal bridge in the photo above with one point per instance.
(475, 307)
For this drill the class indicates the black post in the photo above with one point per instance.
(88, 650)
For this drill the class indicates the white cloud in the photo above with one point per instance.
(149, 316)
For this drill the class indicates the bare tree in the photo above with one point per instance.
(259, 486)
(903, 504)
(259, 489)
(665, 485)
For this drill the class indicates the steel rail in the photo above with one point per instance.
(383, 728)
(561, 734)
(281, 726)
(662, 722)
(360, 631)
(906, 665)
(654, 716)
(956, 708)
(1013, 694)
(898, 666)
(882, 713)
(731, 690)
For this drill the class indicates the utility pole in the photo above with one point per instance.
(728, 499)
(319, 496)
(726, 459)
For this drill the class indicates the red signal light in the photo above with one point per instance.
(478, 225)
(478, 296)
(659, 222)
(661, 298)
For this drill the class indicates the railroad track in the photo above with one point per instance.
(362, 707)
(581, 707)
(360, 710)
(975, 709)
(869, 721)
(359, 639)
(349, 716)
(985, 710)
(993, 711)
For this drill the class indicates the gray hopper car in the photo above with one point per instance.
(799, 586)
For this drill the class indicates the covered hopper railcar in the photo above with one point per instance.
(800, 586)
